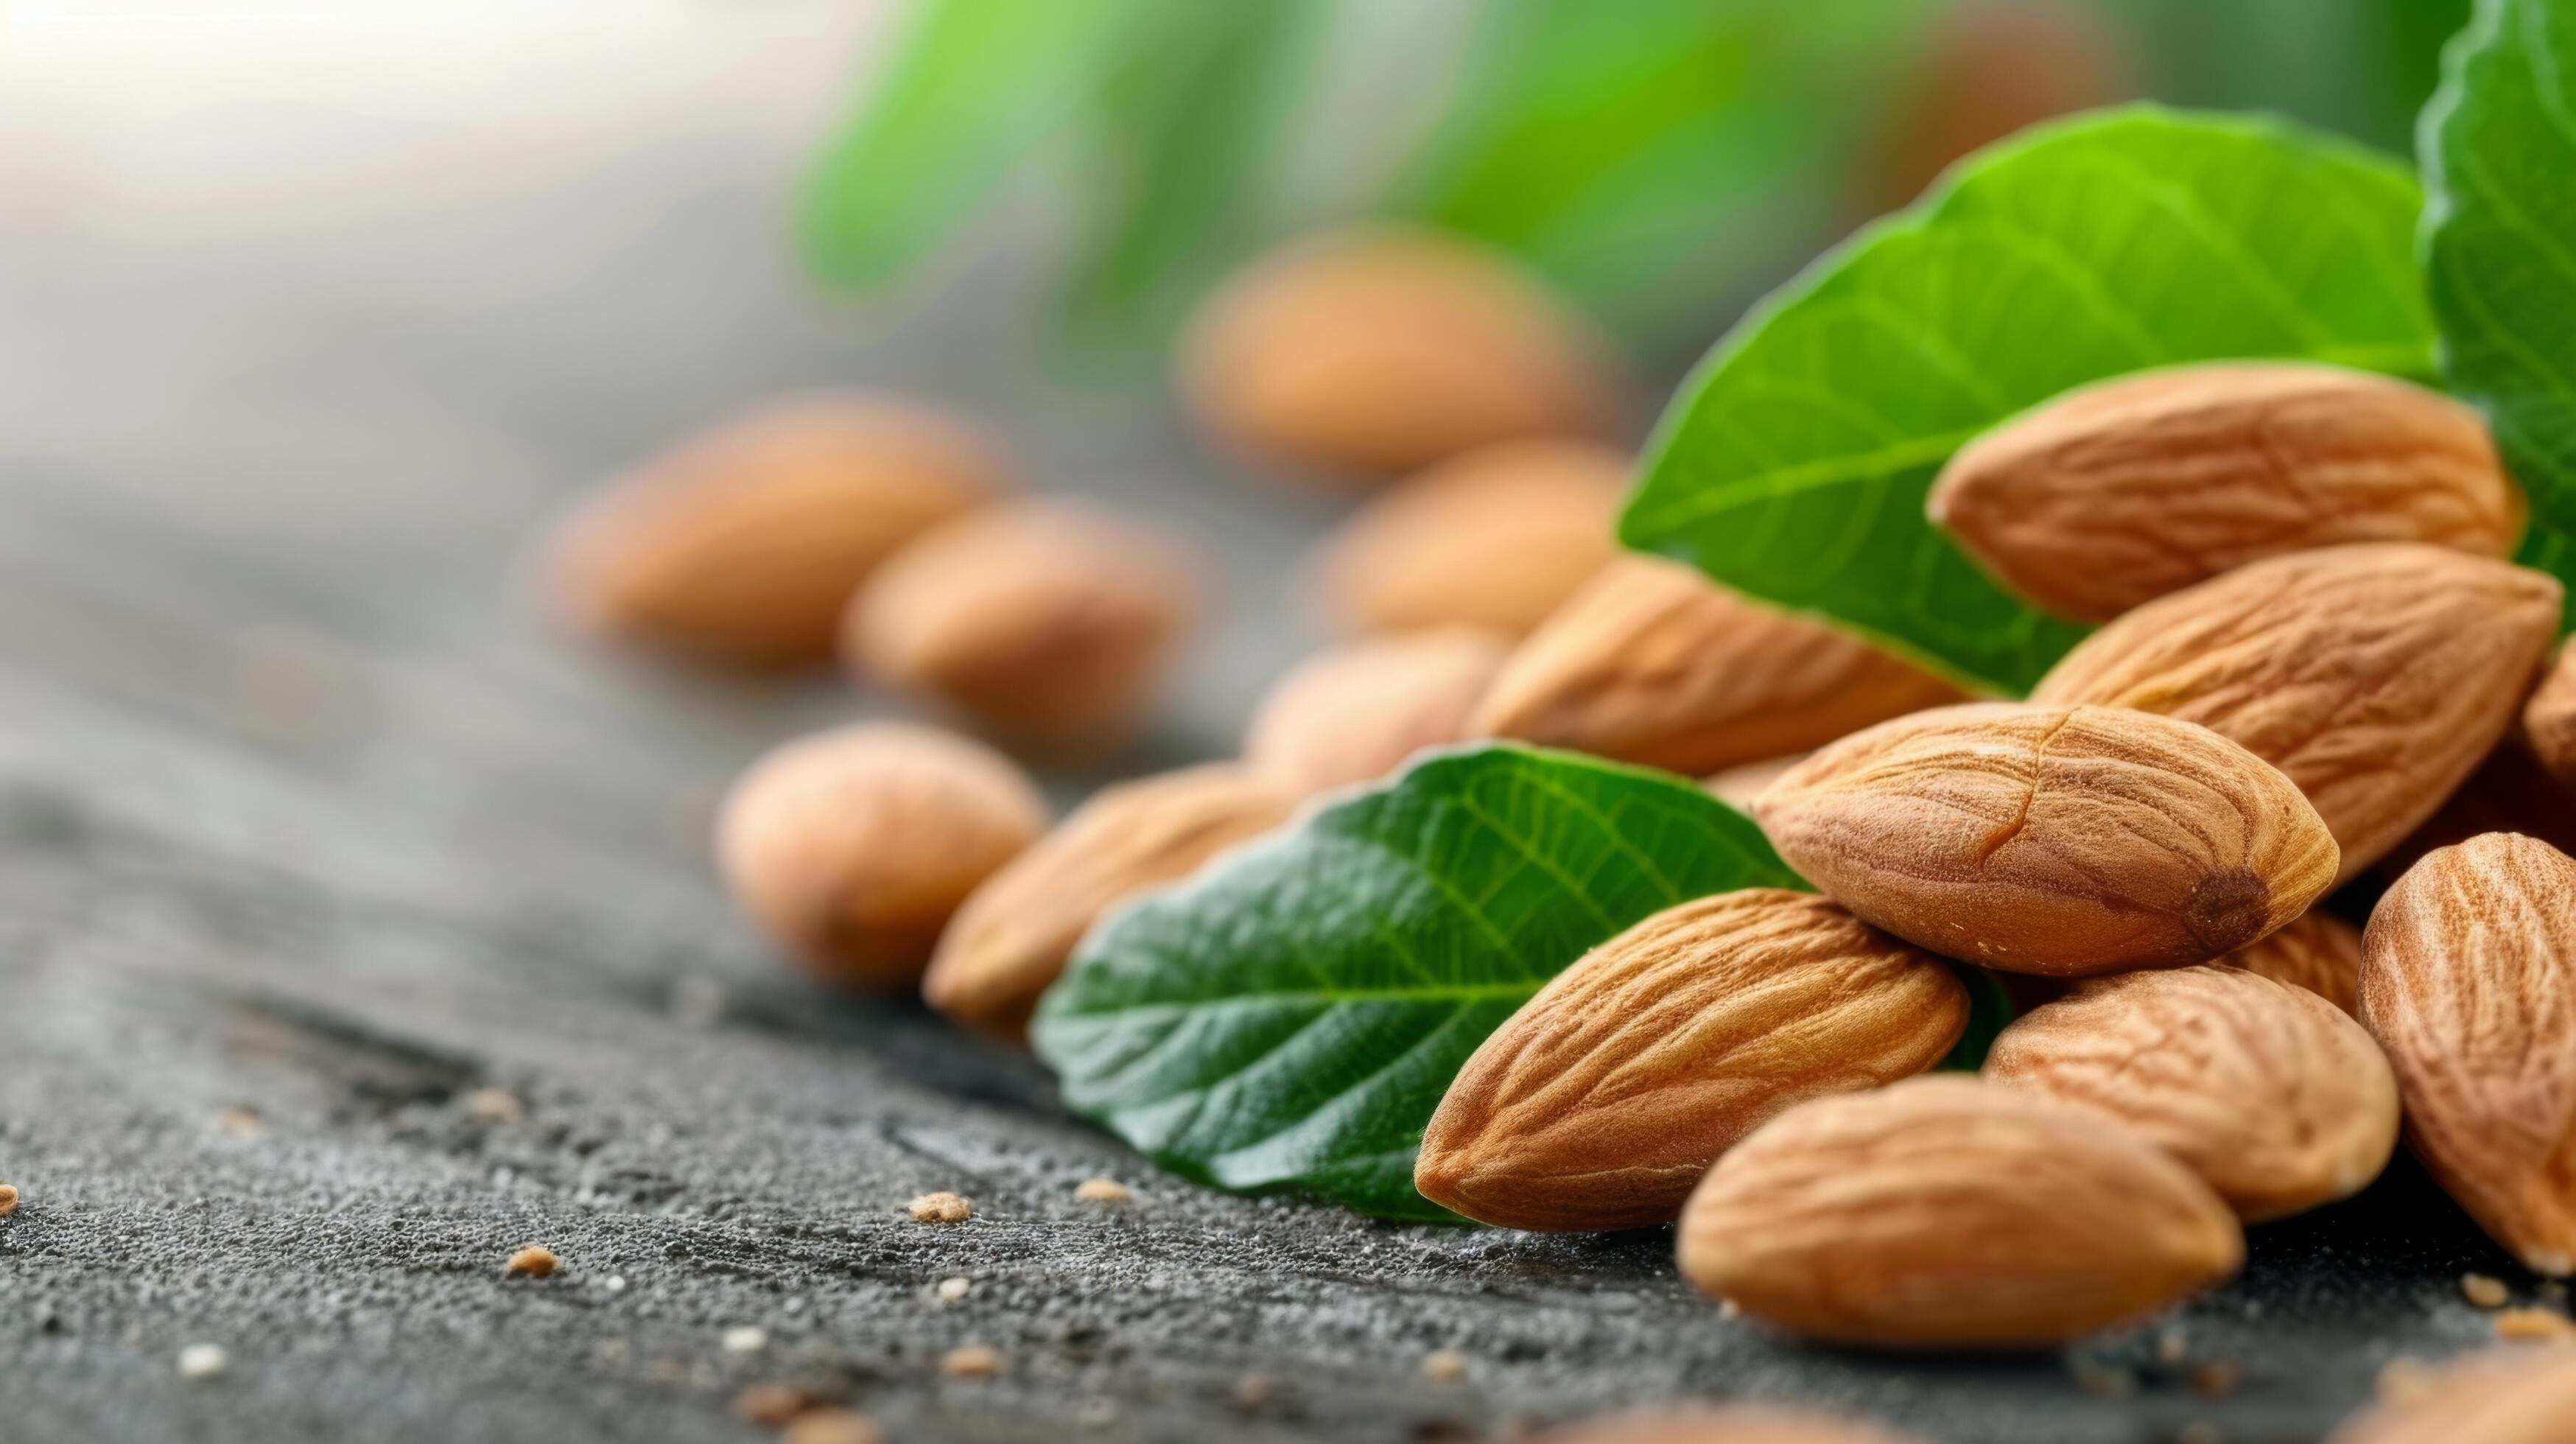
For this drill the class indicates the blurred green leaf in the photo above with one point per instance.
(1794, 464)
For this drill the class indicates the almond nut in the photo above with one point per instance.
(1495, 538)
(1654, 664)
(743, 545)
(2117, 494)
(2278, 1101)
(1015, 932)
(1047, 623)
(2376, 676)
(2468, 980)
(1944, 1212)
(2549, 719)
(2510, 1395)
(1601, 1102)
(1355, 713)
(1731, 1424)
(2056, 840)
(852, 848)
(1384, 350)
(2319, 952)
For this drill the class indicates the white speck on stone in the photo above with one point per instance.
(202, 1361)
(745, 1339)
(951, 1290)
(617, 1283)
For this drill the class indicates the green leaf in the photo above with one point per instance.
(1990, 1009)
(1290, 1017)
(2499, 152)
(1794, 464)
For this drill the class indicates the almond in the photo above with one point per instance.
(851, 848)
(2509, 1395)
(1981, 71)
(1495, 538)
(1047, 623)
(1012, 937)
(2468, 980)
(1602, 1101)
(2376, 676)
(1654, 664)
(2118, 494)
(2278, 1101)
(1355, 713)
(2055, 840)
(1386, 349)
(743, 544)
(1731, 1424)
(2549, 719)
(2319, 952)
(1944, 1212)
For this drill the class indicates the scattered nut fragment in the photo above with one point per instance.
(2377, 677)
(1655, 664)
(2504, 1395)
(1108, 1191)
(1047, 623)
(2546, 1325)
(2468, 981)
(2316, 951)
(745, 1339)
(238, 1122)
(2120, 493)
(1355, 713)
(1730, 1424)
(941, 1207)
(1444, 1366)
(1944, 1212)
(1601, 1102)
(971, 1361)
(495, 1106)
(1014, 933)
(533, 1262)
(1384, 349)
(953, 1289)
(2053, 840)
(852, 848)
(1494, 539)
(203, 1361)
(743, 545)
(770, 1405)
(8, 1199)
(832, 1426)
(2485, 1292)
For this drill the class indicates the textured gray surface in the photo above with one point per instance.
(302, 814)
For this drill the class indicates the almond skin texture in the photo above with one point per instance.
(1732, 1424)
(2118, 494)
(2512, 1395)
(2054, 840)
(1379, 350)
(1496, 538)
(2549, 720)
(1355, 713)
(1945, 1212)
(2468, 981)
(1600, 1104)
(1048, 623)
(852, 848)
(742, 545)
(1654, 664)
(2377, 676)
(2278, 1101)
(1012, 937)
(2319, 952)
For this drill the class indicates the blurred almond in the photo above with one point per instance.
(2376, 676)
(2052, 840)
(2117, 494)
(1048, 623)
(1944, 1212)
(2518, 1394)
(1984, 70)
(1355, 713)
(2319, 952)
(743, 544)
(2549, 719)
(1601, 1102)
(1385, 350)
(852, 848)
(2278, 1101)
(1496, 538)
(1654, 664)
(2468, 981)
(1015, 933)
(1728, 1424)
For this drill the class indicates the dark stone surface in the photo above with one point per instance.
(303, 815)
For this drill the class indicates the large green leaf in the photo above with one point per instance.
(1290, 1018)
(2499, 150)
(1794, 463)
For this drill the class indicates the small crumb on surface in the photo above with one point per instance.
(769, 1405)
(745, 1339)
(971, 1361)
(532, 1262)
(1254, 1390)
(2485, 1292)
(203, 1361)
(8, 1199)
(2107, 1380)
(494, 1105)
(2216, 1378)
(2544, 1324)
(2172, 1348)
(942, 1207)
(1444, 1366)
(239, 1122)
(832, 1426)
(1102, 1190)
(617, 1283)
(1729, 1309)
(951, 1290)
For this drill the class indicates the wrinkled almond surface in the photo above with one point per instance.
(2056, 840)
(2277, 1100)
(2376, 676)
(1602, 1101)
(2120, 493)
(1015, 932)
(2468, 980)
(852, 848)
(2518, 1394)
(1654, 664)
(2319, 952)
(1947, 1212)
(1355, 713)
(1730, 1424)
